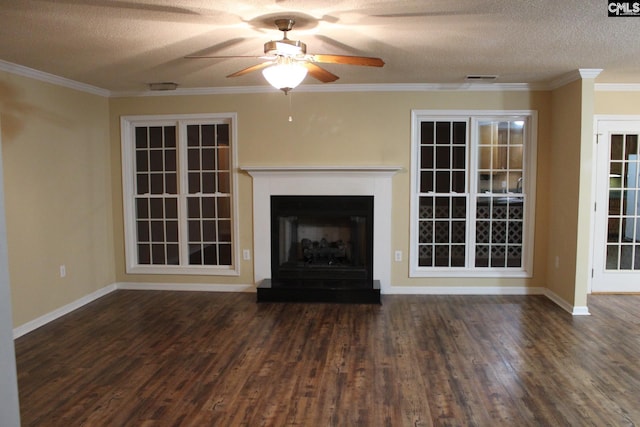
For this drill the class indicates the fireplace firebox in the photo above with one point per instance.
(321, 250)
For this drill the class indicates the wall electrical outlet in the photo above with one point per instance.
(398, 256)
(63, 270)
(246, 254)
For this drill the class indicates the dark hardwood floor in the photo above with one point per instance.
(146, 358)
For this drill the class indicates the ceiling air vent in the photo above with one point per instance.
(163, 86)
(481, 77)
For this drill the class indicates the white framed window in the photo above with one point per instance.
(472, 193)
(179, 189)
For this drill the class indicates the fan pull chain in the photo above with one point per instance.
(290, 108)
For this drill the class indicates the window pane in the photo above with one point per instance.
(209, 183)
(208, 135)
(173, 254)
(426, 157)
(223, 135)
(460, 133)
(156, 162)
(144, 254)
(426, 133)
(224, 254)
(155, 137)
(171, 183)
(208, 207)
(142, 184)
(443, 158)
(157, 208)
(143, 231)
(443, 182)
(223, 159)
(208, 159)
(426, 182)
(193, 159)
(209, 231)
(194, 231)
(170, 160)
(224, 184)
(170, 136)
(443, 133)
(157, 254)
(172, 231)
(224, 207)
(195, 254)
(194, 183)
(141, 137)
(210, 255)
(459, 182)
(193, 135)
(193, 207)
(142, 208)
(224, 231)
(157, 183)
(157, 231)
(142, 160)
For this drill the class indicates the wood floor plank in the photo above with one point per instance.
(150, 358)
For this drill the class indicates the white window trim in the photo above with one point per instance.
(471, 117)
(127, 138)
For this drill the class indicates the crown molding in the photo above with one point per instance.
(617, 87)
(51, 78)
(582, 73)
(333, 88)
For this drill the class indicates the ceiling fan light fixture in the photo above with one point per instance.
(286, 74)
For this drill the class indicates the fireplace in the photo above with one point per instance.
(322, 240)
(371, 181)
(321, 250)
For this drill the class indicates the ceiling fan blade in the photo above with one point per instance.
(251, 69)
(320, 73)
(220, 56)
(349, 60)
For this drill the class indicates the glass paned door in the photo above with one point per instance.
(617, 233)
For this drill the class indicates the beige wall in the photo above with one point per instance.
(564, 168)
(570, 192)
(333, 129)
(57, 191)
(64, 190)
(617, 102)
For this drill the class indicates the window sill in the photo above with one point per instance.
(182, 270)
(471, 273)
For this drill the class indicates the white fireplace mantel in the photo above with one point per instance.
(373, 181)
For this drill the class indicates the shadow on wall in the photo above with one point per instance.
(14, 113)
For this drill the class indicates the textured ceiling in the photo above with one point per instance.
(122, 45)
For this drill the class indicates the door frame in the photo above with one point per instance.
(597, 118)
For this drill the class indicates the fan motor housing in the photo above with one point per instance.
(296, 47)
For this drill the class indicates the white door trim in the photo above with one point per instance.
(599, 121)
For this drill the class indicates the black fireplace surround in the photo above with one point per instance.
(321, 250)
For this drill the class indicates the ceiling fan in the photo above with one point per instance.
(287, 62)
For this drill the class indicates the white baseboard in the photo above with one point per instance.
(66, 309)
(565, 305)
(51, 316)
(203, 287)
(194, 287)
(463, 290)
